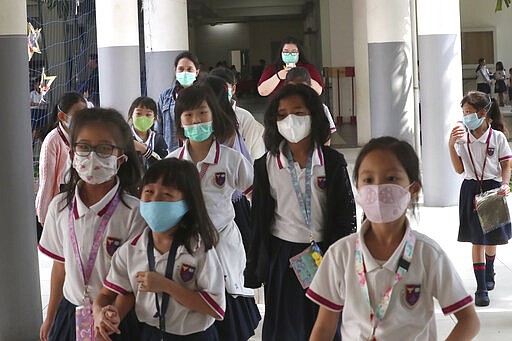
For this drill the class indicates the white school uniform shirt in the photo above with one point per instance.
(125, 224)
(251, 131)
(289, 222)
(410, 315)
(327, 112)
(228, 170)
(198, 271)
(498, 151)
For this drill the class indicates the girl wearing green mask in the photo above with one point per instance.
(150, 146)
(291, 54)
(204, 126)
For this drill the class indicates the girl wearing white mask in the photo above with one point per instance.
(302, 203)
(483, 158)
(95, 214)
(384, 278)
(54, 160)
(186, 68)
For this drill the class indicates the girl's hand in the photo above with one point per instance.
(456, 133)
(504, 190)
(151, 281)
(282, 73)
(45, 329)
(140, 147)
(106, 323)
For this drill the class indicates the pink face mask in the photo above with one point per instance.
(383, 203)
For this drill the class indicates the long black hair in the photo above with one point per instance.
(278, 62)
(129, 172)
(320, 130)
(224, 126)
(65, 103)
(183, 176)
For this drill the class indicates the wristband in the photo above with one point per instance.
(277, 74)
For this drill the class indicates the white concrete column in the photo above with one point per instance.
(20, 308)
(390, 68)
(118, 53)
(165, 36)
(440, 92)
(362, 78)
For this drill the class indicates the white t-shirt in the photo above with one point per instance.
(251, 131)
(125, 224)
(410, 315)
(332, 126)
(199, 271)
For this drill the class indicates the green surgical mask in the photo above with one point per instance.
(198, 132)
(186, 78)
(143, 123)
(290, 57)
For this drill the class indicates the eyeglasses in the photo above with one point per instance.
(290, 52)
(102, 150)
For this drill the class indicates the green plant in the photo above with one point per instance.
(499, 4)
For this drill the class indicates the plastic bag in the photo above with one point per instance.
(492, 210)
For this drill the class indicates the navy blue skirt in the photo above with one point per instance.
(483, 87)
(242, 220)
(150, 333)
(470, 229)
(63, 328)
(289, 314)
(240, 319)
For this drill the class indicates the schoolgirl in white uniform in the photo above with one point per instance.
(93, 217)
(222, 171)
(302, 193)
(172, 267)
(483, 157)
(384, 278)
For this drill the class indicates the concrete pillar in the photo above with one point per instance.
(118, 53)
(20, 308)
(362, 76)
(165, 36)
(440, 69)
(390, 68)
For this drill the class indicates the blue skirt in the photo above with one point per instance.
(63, 328)
(150, 333)
(470, 229)
(289, 314)
(240, 319)
(242, 220)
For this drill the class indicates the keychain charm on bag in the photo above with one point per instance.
(84, 320)
(306, 263)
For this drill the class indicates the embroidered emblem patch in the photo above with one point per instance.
(412, 294)
(112, 245)
(490, 151)
(220, 179)
(187, 272)
(320, 182)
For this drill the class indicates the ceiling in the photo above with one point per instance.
(202, 12)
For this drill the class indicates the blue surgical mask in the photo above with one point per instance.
(161, 216)
(472, 121)
(290, 57)
(186, 78)
(230, 94)
(199, 132)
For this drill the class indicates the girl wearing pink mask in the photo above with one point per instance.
(384, 278)
(302, 203)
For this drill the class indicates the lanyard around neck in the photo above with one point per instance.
(161, 310)
(403, 267)
(480, 181)
(304, 200)
(98, 237)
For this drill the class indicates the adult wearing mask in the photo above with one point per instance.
(291, 54)
(186, 67)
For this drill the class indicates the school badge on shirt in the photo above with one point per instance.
(411, 294)
(220, 179)
(490, 151)
(320, 182)
(112, 245)
(187, 272)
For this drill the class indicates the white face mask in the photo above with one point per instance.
(294, 128)
(94, 169)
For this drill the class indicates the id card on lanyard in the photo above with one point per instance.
(403, 266)
(306, 263)
(84, 320)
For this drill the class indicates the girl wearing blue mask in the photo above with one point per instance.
(290, 55)
(186, 68)
(205, 126)
(171, 271)
(483, 157)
